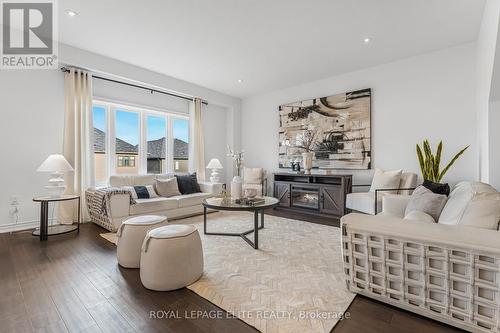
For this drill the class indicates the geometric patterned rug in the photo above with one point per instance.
(294, 282)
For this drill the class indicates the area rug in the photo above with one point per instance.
(294, 282)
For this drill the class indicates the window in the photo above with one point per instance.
(181, 145)
(100, 145)
(156, 129)
(126, 141)
(131, 140)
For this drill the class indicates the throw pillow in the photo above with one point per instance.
(386, 180)
(188, 183)
(142, 191)
(167, 187)
(419, 217)
(424, 200)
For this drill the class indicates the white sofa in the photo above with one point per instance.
(171, 207)
(448, 271)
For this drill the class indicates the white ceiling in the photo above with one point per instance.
(270, 44)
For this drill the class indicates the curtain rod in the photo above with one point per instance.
(65, 70)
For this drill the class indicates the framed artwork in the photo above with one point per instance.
(340, 125)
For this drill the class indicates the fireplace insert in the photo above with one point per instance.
(305, 197)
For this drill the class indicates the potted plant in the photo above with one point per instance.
(430, 167)
(307, 142)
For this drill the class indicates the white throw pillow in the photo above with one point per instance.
(472, 204)
(167, 187)
(386, 180)
(418, 216)
(142, 191)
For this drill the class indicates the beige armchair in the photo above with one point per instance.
(371, 202)
(255, 178)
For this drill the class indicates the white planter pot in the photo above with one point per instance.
(307, 161)
(236, 187)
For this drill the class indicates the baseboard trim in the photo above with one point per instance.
(11, 227)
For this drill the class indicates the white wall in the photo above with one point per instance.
(486, 49)
(32, 107)
(428, 96)
(32, 103)
(494, 144)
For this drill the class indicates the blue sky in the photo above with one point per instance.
(127, 126)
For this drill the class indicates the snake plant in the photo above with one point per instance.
(429, 162)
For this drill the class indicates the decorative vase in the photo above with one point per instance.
(307, 161)
(236, 187)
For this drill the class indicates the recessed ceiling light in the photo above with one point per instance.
(71, 13)
(240, 81)
(367, 40)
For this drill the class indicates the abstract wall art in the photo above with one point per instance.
(340, 124)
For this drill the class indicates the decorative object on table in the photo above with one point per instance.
(236, 187)
(236, 184)
(57, 165)
(45, 230)
(429, 165)
(224, 191)
(250, 192)
(307, 142)
(343, 125)
(250, 201)
(237, 157)
(215, 165)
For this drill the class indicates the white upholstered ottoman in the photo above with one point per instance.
(131, 235)
(171, 257)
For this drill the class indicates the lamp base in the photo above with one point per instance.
(55, 191)
(214, 176)
(56, 186)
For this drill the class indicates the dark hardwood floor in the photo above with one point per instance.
(73, 283)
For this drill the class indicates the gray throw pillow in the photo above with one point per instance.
(167, 187)
(424, 200)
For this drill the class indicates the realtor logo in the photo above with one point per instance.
(29, 34)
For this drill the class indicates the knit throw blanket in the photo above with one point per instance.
(101, 198)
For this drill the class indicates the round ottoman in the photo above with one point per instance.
(171, 257)
(131, 235)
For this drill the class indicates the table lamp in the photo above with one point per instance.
(57, 165)
(215, 165)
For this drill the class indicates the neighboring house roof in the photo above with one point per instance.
(156, 148)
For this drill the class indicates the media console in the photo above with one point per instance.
(314, 194)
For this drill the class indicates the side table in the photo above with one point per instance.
(45, 230)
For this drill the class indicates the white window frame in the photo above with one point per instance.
(143, 112)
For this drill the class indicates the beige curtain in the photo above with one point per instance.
(196, 140)
(77, 145)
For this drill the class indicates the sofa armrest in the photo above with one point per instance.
(208, 187)
(119, 205)
(395, 204)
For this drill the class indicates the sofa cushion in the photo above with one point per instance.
(167, 187)
(146, 206)
(188, 183)
(424, 200)
(418, 216)
(386, 180)
(364, 202)
(473, 204)
(193, 199)
(252, 175)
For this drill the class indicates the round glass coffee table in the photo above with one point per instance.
(218, 203)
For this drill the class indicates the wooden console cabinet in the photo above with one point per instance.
(314, 194)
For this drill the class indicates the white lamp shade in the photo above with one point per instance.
(55, 163)
(214, 164)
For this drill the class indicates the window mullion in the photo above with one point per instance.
(170, 145)
(143, 146)
(111, 141)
